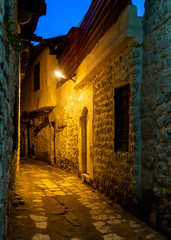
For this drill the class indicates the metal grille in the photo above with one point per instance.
(122, 98)
(101, 15)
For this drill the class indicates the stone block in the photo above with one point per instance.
(169, 162)
(149, 42)
(146, 59)
(148, 128)
(164, 43)
(153, 219)
(1, 170)
(148, 159)
(169, 151)
(151, 102)
(147, 180)
(159, 149)
(158, 193)
(163, 122)
(162, 180)
(166, 137)
(1, 221)
(161, 168)
(143, 109)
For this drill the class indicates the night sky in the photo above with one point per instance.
(61, 15)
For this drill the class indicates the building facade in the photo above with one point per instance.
(155, 114)
(12, 16)
(110, 123)
(9, 111)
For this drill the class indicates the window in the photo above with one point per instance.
(122, 96)
(37, 77)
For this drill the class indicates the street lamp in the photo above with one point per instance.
(60, 75)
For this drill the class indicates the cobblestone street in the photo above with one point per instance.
(53, 204)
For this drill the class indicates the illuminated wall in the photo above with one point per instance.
(84, 111)
(32, 100)
(84, 116)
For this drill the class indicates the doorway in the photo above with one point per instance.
(84, 140)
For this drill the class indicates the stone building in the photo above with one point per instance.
(12, 15)
(110, 120)
(155, 115)
(9, 106)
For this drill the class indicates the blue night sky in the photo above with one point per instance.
(61, 15)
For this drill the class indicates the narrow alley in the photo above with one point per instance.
(50, 203)
(92, 101)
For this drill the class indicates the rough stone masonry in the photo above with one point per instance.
(156, 115)
(9, 91)
(139, 179)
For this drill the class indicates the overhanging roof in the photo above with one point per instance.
(37, 113)
(101, 15)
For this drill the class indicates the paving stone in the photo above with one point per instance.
(21, 217)
(41, 225)
(114, 221)
(37, 201)
(75, 239)
(38, 205)
(38, 209)
(93, 207)
(112, 236)
(38, 218)
(104, 229)
(150, 236)
(41, 237)
(95, 212)
(134, 224)
(99, 217)
(112, 217)
(59, 193)
(68, 216)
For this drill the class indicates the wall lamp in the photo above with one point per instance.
(60, 75)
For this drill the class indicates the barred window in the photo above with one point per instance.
(122, 98)
(37, 77)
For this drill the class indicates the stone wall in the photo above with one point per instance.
(156, 115)
(118, 173)
(23, 140)
(68, 129)
(9, 105)
(139, 179)
(37, 143)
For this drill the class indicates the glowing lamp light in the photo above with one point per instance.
(58, 74)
